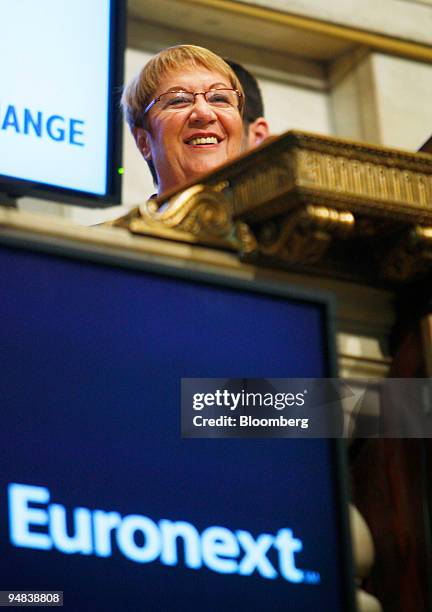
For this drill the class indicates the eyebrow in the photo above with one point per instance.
(213, 86)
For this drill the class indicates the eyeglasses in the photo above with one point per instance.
(217, 98)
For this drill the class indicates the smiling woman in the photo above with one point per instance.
(185, 112)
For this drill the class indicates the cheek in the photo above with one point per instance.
(236, 137)
(237, 128)
(164, 137)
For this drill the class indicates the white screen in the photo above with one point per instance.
(54, 74)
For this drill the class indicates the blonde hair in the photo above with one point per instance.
(140, 91)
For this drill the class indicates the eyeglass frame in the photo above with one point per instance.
(197, 93)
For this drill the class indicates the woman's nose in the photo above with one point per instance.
(202, 111)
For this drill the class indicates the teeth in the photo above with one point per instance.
(201, 141)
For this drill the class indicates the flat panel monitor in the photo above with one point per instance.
(61, 66)
(101, 498)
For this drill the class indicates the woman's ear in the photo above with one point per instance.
(142, 140)
(258, 131)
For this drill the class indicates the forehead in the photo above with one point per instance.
(192, 79)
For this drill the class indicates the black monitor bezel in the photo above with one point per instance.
(117, 258)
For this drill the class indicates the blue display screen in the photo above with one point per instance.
(101, 498)
(58, 125)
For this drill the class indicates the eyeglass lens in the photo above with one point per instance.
(219, 98)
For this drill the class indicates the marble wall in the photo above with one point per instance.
(405, 19)
(384, 100)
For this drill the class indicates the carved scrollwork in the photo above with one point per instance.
(305, 235)
(410, 257)
(197, 210)
(247, 241)
(198, 214)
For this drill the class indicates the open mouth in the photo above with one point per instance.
(207, 140)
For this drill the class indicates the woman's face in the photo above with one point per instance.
(170, 139)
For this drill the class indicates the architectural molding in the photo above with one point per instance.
(324, 35)
(315, 203)
(281, 66)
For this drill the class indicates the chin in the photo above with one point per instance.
(204, 167)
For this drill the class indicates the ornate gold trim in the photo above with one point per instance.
(411, 255)
(304, 236)
(353, 210)
(197, 214)
(368, 179)
(379, 42)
